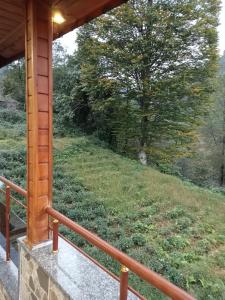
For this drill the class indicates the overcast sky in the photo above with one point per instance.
(68, 40)
(221, 29)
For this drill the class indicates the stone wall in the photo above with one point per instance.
(3, 294)
(34, 282)
(69, 274)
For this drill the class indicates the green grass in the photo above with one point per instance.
(173, 227)
(12, 124)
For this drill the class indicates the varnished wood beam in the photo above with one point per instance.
(39, 118)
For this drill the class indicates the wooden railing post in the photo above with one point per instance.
(7, 222)
(124, 283)
(55, 231)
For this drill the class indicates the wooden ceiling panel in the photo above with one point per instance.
(12, 21)
(17, 7)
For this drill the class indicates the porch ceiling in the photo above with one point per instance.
(12, 20)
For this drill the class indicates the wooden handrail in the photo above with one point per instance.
(99, 265)
(146, 274)
(13, 186)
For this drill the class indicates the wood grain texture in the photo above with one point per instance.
(39, 118)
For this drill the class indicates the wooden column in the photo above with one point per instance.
(39, 117)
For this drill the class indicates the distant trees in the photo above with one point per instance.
(144, 75)
(140, 79)
(213, 133)
(13, 82)
(207, 165)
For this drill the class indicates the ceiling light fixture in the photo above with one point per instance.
(58, 18)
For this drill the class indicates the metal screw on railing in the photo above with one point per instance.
(55, 230)
(7, 222)
(124, 283)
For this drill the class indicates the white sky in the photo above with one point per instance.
(221, 29)
(68, 40)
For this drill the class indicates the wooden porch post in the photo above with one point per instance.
(39, 117)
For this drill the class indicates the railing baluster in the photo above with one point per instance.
(7, 222)
(124, 283)
(55, 230)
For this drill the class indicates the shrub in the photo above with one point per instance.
(174, 242)
(140, 227)
(183, 223)
(138, 239)
(124, 243)
(175, 213)
(12, 116)
(203, 246)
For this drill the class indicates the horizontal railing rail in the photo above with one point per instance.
(9, 186)
(100, 265)
(127, 262)
(13, 186)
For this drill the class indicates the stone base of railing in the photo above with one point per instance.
(35, 281)
(65, 275)
(8, 278)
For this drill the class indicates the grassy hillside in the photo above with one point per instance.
(173, 227)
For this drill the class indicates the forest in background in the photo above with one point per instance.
(147, 80)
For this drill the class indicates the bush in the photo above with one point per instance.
(12, 116)
(138, 239)
(175, 213)
(183, 223)
(174, 242)
(203, 246)
(140, 227)
(124, 244)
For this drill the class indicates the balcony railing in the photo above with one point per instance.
(127, 263)
(9, 187)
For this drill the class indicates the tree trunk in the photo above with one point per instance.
(222, 163)
(223, 151)
(142, 155)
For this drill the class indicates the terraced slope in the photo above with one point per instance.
(174, 227)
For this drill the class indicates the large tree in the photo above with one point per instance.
(144, 71)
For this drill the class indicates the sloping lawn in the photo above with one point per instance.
(173, 227)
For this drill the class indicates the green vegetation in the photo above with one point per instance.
(171, 226)
(141, 77)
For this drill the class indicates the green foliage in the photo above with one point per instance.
(143, 75)
(206, 167)
(175, 213)
(175, 242)
(140, 227)
(14, 82)
(12, 124)
(12, 116)
(139, 239)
